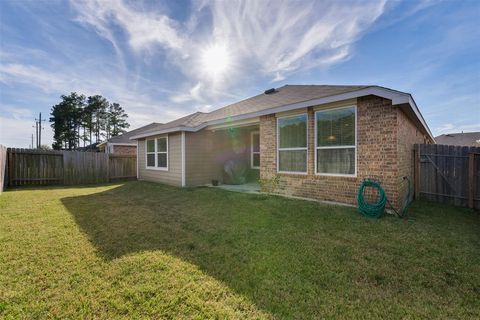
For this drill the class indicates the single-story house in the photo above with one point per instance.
(469, 139)
(122, 144)
(319, 140)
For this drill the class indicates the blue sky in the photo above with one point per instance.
(164, 59)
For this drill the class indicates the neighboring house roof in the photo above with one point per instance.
(90, 147)
(288, 97)
(125, 138)
(471, 139)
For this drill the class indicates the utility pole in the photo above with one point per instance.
(39, 129)
(31, 146)
(38, 123)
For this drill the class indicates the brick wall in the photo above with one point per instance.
(268, 147)
(408, 135)
(125, 150)
(378, 126)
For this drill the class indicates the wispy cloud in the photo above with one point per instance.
(139, 105)
(265, 31)
(16, 132)
(30, 75)
(151, 56)
(17, 112)
(405, 9)
(456, 128)
(269, 38)
(144, 29)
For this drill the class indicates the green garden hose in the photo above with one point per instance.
(371, 210)
(377, 209)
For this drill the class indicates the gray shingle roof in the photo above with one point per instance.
(285, 95)
(125, 138)
(471, 139)
(190, 120)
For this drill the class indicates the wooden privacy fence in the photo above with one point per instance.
(122, 167)
(27, 167)
(448, 174)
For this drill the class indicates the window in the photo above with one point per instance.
(157, 153)
(150, 153)
(292, 144)
(336, 141)
(255, 150)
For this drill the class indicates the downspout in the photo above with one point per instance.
(183, 159)
(137, 160)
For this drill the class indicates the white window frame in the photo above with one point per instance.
(251, 148)
(292, 149)
(156, 154)
(336, 147)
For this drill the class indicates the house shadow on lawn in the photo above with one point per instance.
(252, 243)
(293, 259)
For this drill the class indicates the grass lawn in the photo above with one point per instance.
(140, 250)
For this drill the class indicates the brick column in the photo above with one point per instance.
(268, 146)
(377, 143)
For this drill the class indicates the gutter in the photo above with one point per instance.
(122, 144)
(169, 130)
(117, 143)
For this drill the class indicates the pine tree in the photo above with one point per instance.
(75, 120)
(117, 120)
(59, 126)
(66, 118)
(97, 107)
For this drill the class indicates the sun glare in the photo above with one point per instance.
(215, 60)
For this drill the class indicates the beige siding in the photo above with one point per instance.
(174, 174)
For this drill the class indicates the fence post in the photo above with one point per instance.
(471, 179)
(10, 167)
(108, 167)
(63, 167)
(416, 156)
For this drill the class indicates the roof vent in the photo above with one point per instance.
(270, 91)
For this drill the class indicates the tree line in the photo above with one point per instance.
(78, 120)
